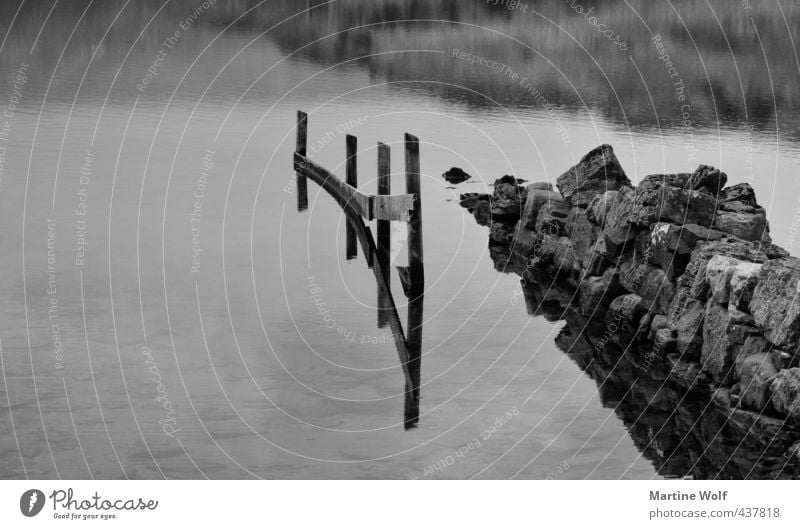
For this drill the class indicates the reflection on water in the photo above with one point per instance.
(192, 307)
(681, 429)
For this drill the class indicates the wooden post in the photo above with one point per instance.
(415, 258)
(300, 148)
(384, 242)
(416, 276)
(351, 250)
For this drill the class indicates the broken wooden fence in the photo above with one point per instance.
(384, 208)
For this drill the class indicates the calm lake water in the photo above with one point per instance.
(150, 229)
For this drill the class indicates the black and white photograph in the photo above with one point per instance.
(342, 246)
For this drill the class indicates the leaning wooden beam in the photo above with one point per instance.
(396, 207)
(300, 148)
(351, 249)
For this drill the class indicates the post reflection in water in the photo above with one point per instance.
(385, 208)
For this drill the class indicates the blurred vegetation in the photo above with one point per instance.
(738, 60)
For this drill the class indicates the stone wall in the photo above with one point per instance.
(679, 271)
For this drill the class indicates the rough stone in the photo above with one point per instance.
(657, 291)
(688, 327)
(552, 218)
(753, 345)
(664, 340)
(750, 226)
(623, 316)
(599, 206)
(719, 271)
(620, 217)
(757, 374)
(598, 291)
(584, 235)
(501, 232)
(723, 333)
(597, 172)
(739, 193)
(743, 282)
(535, 199)
(674, 204)
(479, 204)
(508, 198)
(786, 393)
(693, 284)
(775, 303)
(709, 178)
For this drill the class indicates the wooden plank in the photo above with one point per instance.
(300, 148)
(395, 207)
(351, 177)
(384, 241)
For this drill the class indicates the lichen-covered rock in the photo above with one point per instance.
(756, 375)
(693, 284)
(747, 225)
(786, 393)
(775, 303)
(743, 282)
(669, 246)
(708, 178)
(719, 271)
(723, 334)
(656, 201)
(597, 172)
(535, 199)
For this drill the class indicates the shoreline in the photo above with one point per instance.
(673, 292)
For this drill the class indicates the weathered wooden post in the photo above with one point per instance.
(384, 242)
(351, 178)
(300, 148)
(416, 277)
(415, 258)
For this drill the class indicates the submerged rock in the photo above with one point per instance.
(455, 175)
